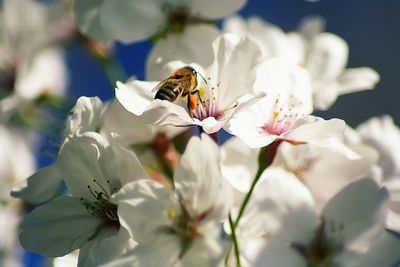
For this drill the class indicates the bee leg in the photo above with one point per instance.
(198, 95)
(192, 102)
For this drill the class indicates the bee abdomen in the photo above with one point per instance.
(167, 93)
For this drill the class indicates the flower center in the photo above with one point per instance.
(185, 225)
(327, 243)
(101, 207)
(282, 116)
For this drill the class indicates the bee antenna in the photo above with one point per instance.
(201, 76)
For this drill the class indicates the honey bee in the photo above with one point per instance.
(181, 83)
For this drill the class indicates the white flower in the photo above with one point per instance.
(231, 76)
(131, 21)
(180, 226)
(287, 232)
(323, 54)
(383, 135)
(282, 113)
(288, 99)
(93, 170)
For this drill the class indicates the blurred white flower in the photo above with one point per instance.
(29, 65)
(323, 170)
(93, 170)
(281, 227)
(383, 135)
(131, 21)
(180, 226)
(10, 252)
(17, 160)
(231, 76)
(323, 54)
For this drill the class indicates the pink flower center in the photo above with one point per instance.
(282, 117)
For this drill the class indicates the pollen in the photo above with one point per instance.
(202, 92)
(171, 213)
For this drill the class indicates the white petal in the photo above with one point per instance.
(130, 128)
(272, 40)
(163, 252)
(383, 135)
(138, 99)
(40, 187)
(357, 79)
(163, 112)
(213, 10)
(380, 250)
(211, 125)
(198, 178)
(311, 26)
(233, 71)
(249, 128)
(135, 96)
(121, 163)
(127, 21)
(206, 251)
(58, 228)
(239, 163)
(325, 93)
(85, 116)
(278, 254)
(271, 212)
(323, 133)
(283, 80)
(360, 207)
(327, 57)
(192, 45)
(143, 208)
(110, 245)
(335, 171)
(89, 160)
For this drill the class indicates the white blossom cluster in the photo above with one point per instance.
(146, 181)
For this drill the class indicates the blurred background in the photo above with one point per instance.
(371, 28)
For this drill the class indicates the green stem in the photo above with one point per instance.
(166, 169)
(235, 242)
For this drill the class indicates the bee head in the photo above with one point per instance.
(190, 69)
(194, 72)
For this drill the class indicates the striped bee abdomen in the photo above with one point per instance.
(168, 92)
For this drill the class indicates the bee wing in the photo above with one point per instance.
(159, 85)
